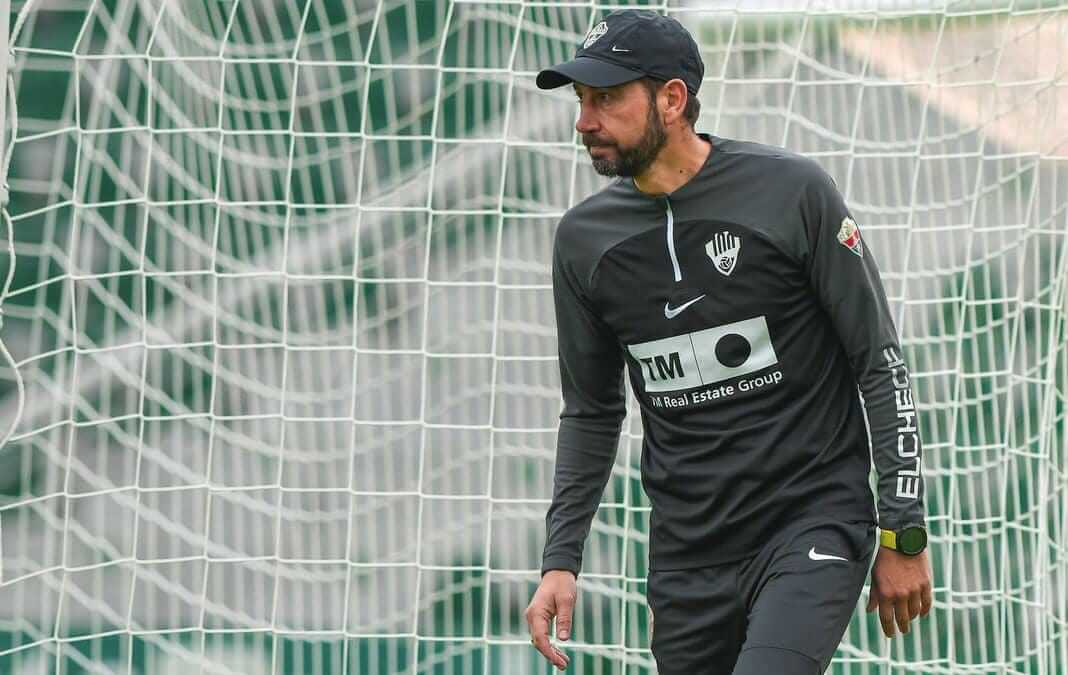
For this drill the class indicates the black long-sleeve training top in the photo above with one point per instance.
(747, 311)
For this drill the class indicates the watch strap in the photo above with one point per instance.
(888, 538)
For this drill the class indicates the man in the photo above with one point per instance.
(731, 281)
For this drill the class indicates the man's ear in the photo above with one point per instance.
(674, 100)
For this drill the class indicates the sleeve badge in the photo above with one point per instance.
(849, 236)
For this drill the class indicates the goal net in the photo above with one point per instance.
(279, 390)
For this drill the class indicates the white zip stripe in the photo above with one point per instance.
(671, 240)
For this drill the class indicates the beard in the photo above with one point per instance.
(634, 160)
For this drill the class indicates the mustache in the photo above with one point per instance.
(591, 141)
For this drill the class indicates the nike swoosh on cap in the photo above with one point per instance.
(617, 49)
(671, 313)
(823, 556)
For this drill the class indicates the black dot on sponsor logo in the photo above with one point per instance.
(733, 350)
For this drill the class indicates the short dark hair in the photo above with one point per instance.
(693, 107)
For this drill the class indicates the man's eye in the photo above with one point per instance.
(600, 97)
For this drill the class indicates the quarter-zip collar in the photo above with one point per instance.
(664, 199)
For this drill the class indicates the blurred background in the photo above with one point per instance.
(280, 389)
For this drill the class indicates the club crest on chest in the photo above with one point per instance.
(723, 250)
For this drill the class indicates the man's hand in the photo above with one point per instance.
(554, 597)
(900, 588)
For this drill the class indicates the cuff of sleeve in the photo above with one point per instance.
(898, 522)
(560, 562)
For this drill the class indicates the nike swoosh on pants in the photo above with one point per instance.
(823, 556)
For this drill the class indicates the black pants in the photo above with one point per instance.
(783, 610)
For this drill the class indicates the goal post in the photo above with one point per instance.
(283, 389)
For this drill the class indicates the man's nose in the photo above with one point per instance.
(587, 119)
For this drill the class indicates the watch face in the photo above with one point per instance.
(912, 540)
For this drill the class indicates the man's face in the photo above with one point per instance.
(620, 127)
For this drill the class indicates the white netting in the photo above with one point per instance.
(282, 309)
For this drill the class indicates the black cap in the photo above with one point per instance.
(628, 44)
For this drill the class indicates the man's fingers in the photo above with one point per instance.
(539, 637)
(565, 605)
(886, 616)
(564, 658)
(873, 599)
(915, 605)
(901, 609)
(551, 653)
(925, 600)
(555, 597)
(901, 586)
(538, 620)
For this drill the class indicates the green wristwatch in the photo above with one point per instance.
(910, 539)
